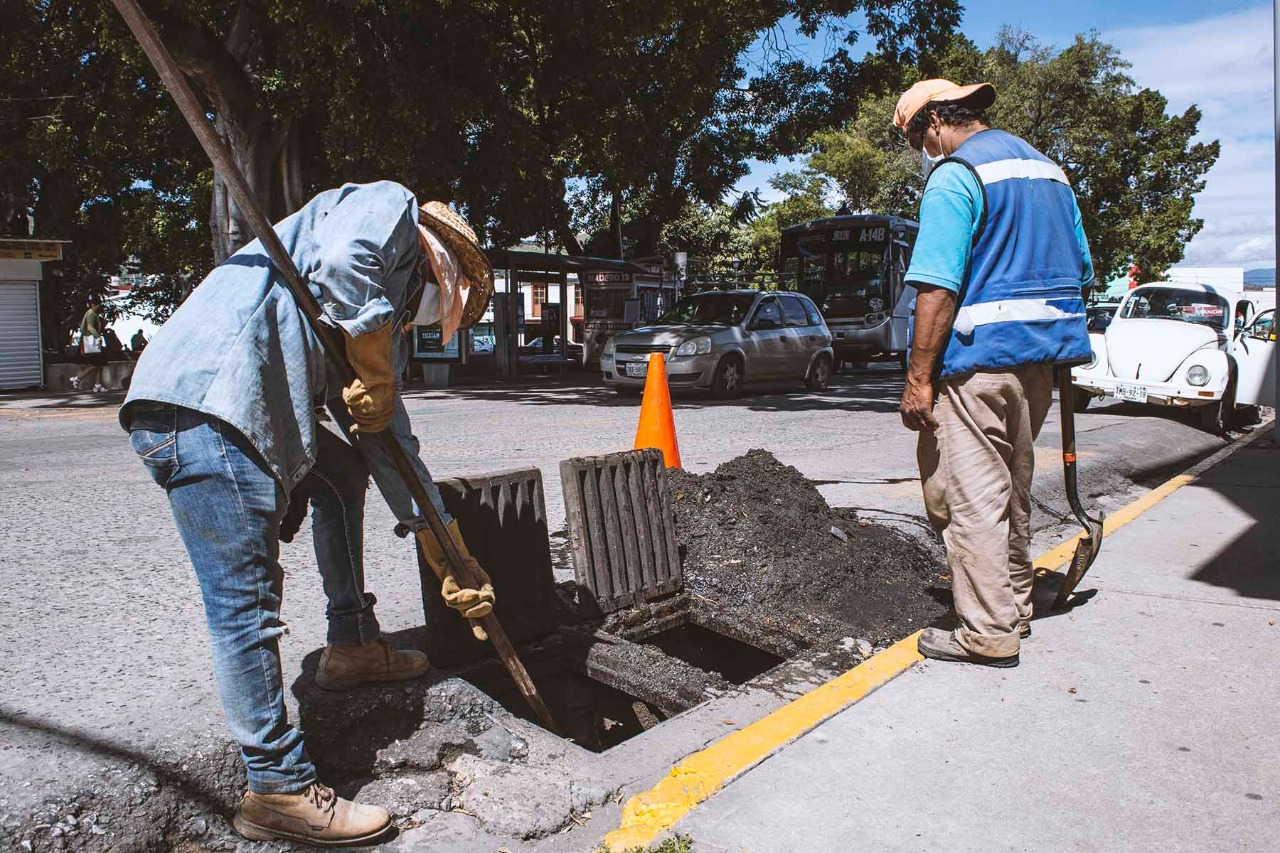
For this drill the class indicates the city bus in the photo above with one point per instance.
(853, 268)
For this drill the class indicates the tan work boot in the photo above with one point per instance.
(316, 816)
(346, 667)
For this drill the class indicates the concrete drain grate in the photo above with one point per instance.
(621, 528)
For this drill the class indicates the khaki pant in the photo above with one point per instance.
(976, 473)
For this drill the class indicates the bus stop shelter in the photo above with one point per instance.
(552, 270)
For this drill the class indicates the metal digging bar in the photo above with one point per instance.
(329, 337)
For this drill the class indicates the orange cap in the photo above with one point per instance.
(929, 91)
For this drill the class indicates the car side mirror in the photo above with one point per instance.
(762, 324)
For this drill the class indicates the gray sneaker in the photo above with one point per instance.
(937, 644)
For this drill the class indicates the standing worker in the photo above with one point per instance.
(1000, 266)
(223, 412)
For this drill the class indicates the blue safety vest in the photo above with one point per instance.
(1021, 301)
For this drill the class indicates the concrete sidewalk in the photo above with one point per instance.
(1144, 719)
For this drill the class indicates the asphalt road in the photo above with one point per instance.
(105, 649)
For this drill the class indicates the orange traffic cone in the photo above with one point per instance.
(657, 424)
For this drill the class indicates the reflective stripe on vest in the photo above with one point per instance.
(1005, 170)
(969, 317)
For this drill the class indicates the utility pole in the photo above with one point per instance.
(1275, 103)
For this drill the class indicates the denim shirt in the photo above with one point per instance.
(239, 349)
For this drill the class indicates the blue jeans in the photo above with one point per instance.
(227, 507)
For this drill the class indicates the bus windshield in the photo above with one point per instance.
(843, 270)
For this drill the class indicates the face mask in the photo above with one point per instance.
(928, 161)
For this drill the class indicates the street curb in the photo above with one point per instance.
(699, 775)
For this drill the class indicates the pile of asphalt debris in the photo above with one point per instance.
(758, 536)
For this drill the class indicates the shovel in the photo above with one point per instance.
(486, 627)
(1091, 542)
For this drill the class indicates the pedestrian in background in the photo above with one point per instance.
(1000, 266)
(91, 351)
(138, 342)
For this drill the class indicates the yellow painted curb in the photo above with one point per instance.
(702, 774)
(697, 777)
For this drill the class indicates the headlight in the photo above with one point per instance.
(694, 346)
(1198, 374)
(610, 346)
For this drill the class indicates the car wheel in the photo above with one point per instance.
(1217, 417)
(727, 383)
(819, 378)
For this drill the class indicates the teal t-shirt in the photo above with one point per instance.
(949, 215)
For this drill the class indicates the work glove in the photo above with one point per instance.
(470, 602)
(371, 396)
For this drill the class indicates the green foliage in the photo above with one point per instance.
(89, 155)
(535, 118)
(1134, 168)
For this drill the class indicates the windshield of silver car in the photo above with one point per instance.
(712, 309)
(1172, 303)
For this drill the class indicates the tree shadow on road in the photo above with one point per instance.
(213, 781)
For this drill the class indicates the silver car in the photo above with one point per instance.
(717, 341)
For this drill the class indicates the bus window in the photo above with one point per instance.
(812, 252)
(856, 284)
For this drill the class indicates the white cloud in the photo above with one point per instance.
(1223, 64)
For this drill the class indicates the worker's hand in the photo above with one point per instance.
(917, 407)
(471, 603)
(370, 408)
(371, 396)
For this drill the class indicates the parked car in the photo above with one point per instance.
(1184, 345)
(719, 340)
(535, 348)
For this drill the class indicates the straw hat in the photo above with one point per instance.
(460, 237)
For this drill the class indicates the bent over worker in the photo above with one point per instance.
(1000, 267)
(222, 410)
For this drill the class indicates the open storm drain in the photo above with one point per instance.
(594, 715)
(737, 662)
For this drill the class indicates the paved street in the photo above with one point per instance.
(105, 643)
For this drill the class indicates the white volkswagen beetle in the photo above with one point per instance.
(1184, 345)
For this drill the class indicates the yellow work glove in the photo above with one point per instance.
(371, 396)
(470, 602)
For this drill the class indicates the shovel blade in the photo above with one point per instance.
(1086, 552)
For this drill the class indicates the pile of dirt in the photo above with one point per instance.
(757, 535)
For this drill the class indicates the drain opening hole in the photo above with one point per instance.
(592, 714)
(710, 651)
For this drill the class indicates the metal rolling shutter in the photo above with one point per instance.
(20, 363)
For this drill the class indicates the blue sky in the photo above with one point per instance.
(1217, 55)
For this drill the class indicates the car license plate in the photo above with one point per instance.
(1131, 393)
(637, 368)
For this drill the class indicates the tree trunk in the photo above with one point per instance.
(266, 151)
